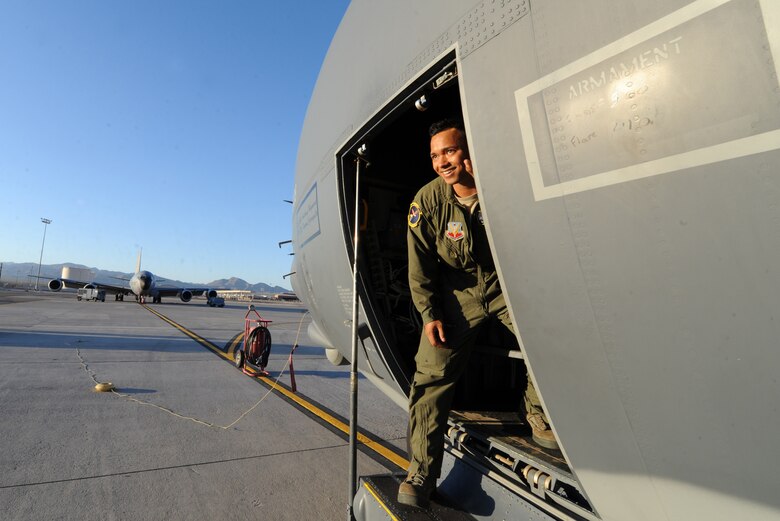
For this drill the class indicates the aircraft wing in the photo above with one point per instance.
(171, 291)
(58, 284)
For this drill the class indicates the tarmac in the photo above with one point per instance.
(185, 435)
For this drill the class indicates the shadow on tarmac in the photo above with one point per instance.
(336, 374)
(63, 340)
(119, 342)
(133, 390)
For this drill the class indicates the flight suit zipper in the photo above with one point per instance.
(482, 294)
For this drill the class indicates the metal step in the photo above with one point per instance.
(492, 471)
(501, 443)
(376, 500)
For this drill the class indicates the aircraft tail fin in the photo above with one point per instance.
(138, 264)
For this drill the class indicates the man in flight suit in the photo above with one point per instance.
(455, 288)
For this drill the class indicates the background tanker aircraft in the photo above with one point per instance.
(626, 155)
(142, 284)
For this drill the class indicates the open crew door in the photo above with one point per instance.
(488, 439)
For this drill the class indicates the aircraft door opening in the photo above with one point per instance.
(393, 148)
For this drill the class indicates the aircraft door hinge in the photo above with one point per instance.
(445, 78)
(539, 481)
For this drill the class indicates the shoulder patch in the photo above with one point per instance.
(415, 214)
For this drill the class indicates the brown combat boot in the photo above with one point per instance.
(416, 490)
(541, 432)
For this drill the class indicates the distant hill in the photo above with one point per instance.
(236, 283)
(18, 273)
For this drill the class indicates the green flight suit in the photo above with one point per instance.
(452, 278)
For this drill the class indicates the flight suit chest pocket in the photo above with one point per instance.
(453, 252)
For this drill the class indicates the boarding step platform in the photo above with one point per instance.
(492, 471)
(499, 444)
(376, 500)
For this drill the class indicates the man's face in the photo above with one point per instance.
(448, 155)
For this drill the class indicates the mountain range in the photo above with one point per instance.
(18, 273)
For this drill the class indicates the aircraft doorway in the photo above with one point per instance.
(394, 150)
(486, 422)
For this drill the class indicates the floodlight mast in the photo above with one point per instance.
(46, 222)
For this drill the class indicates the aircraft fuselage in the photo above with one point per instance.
(143, 284)
(625, 155)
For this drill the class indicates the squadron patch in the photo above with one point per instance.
(455, 231)
(415, 214)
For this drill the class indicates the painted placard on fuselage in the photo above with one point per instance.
(695, 87)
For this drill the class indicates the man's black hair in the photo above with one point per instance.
(446, 124)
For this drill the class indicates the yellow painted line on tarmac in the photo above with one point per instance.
(199, 339)
(323, 415)
(340, 425)
(233, 344)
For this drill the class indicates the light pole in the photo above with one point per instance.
(46, 222)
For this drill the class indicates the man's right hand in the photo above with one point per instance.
(435, 333)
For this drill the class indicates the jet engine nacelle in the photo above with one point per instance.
(211, 293)
(185, 295)
(55, 285)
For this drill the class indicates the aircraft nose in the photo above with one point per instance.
(145, 282)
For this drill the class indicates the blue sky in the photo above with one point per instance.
(167, 125)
